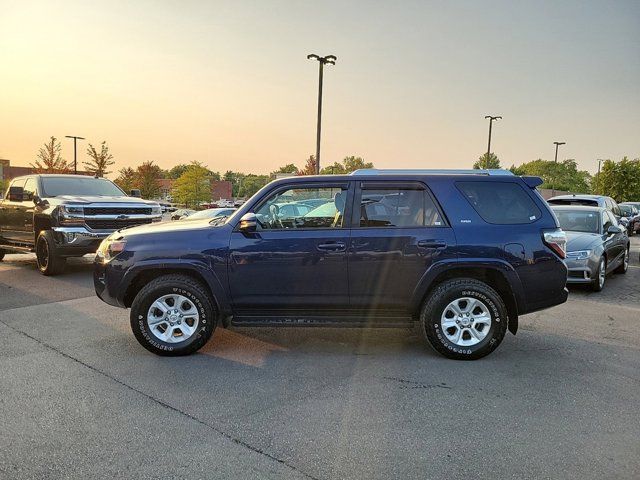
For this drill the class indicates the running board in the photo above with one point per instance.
(15, 248)
(321, 321)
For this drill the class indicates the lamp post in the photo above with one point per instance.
(598, 183)
(331, 60)
(491, 120)
(75, 152)
(553, 187)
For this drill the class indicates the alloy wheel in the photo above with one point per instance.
(173, 318)
(466, 321)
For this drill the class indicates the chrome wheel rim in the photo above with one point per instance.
(466, 321)
(602, 273)
(173, 318)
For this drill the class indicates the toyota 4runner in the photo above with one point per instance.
(459, 254)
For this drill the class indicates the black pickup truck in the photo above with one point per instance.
(60, 216)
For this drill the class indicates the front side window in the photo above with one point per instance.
(606, 222)
(398, 207)
(503, 203)
(305, 207)
(29, 189)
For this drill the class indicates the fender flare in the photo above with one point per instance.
(218, 292)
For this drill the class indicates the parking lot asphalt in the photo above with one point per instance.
(80, 398)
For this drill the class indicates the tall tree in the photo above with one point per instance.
(98, 161)
(146, 179)
(193, 187)
(620, 180)
(288, 168)
(49, 159)
(126, 179)
(349, 164)
(486, 161)
(562, 175)
(251, 184)
(309, 167)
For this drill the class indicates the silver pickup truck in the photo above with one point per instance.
(60, 216)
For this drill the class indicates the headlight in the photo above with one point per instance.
(110, 247)
(579, 255)
(71, 214)
(156, 210)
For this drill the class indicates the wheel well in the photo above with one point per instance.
(146, 276)
(40, 224)
(494, 278)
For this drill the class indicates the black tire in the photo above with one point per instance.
(2, 254)
(47, 258)
(435, 306)
(624, 266)
(173, 284)
(596, 285)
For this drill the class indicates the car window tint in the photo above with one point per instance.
(503, 203)
(311, 207)
(398, 207)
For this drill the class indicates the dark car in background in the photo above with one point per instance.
(632, 214)
(596, 244)
(458, 254)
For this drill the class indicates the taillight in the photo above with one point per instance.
(556, 240)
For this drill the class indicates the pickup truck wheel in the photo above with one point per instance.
(463, 319)
(47, 258)
(173, 315)
(2, 253)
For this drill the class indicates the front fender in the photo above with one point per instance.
(197, 267)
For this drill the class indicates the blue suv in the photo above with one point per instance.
(458, 254)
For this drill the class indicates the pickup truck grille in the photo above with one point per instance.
(117, 211)
(96, 224)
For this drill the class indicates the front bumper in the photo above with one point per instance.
(581, 271)
(77, 241)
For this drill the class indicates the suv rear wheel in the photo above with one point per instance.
(47, 258)
(173, 315)
(463, 319)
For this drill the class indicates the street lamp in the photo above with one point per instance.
(553, 187)
(598, 182)
(491, 119)
(330, 59)
(75, 152)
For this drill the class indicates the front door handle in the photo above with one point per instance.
(432, 244)
(332, 246)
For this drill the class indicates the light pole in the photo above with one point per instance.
(553, 187)
(330, 59)
(491, 119)
(75, 152)
(598, 183)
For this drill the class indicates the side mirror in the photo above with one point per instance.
(135, 193)
(614, 230)
(248, 223)
(36, 199)
(16, 194)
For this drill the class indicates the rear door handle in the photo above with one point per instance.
(432, 244)
(332, 246)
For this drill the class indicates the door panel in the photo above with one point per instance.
(12, 217)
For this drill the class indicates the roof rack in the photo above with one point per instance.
(394, 171)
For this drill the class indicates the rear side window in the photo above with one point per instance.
(398, 207)
(504, 203)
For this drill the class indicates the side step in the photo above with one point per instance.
(16, 248)
(348, 321)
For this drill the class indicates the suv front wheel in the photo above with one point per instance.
(463, 319)
(173, 315)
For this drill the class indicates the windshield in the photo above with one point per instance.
(578, 221)
(80, 186)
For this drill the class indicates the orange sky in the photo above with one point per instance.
(228, 83)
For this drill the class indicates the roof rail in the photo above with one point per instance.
(395, 171)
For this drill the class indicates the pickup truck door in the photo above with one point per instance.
(12, 227)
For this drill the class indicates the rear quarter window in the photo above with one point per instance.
(503, 203)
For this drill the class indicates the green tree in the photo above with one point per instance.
(146, 179)
(176, 171)
(193, 186)
(126, 179)
(288, 168)
(620, 180)
(49, 159)
(98, 161)
(562, 175)
(486, 161)
(349, 164)
(251, 184)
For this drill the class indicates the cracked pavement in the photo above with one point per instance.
(79, 398)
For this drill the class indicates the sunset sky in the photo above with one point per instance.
(228, 83)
